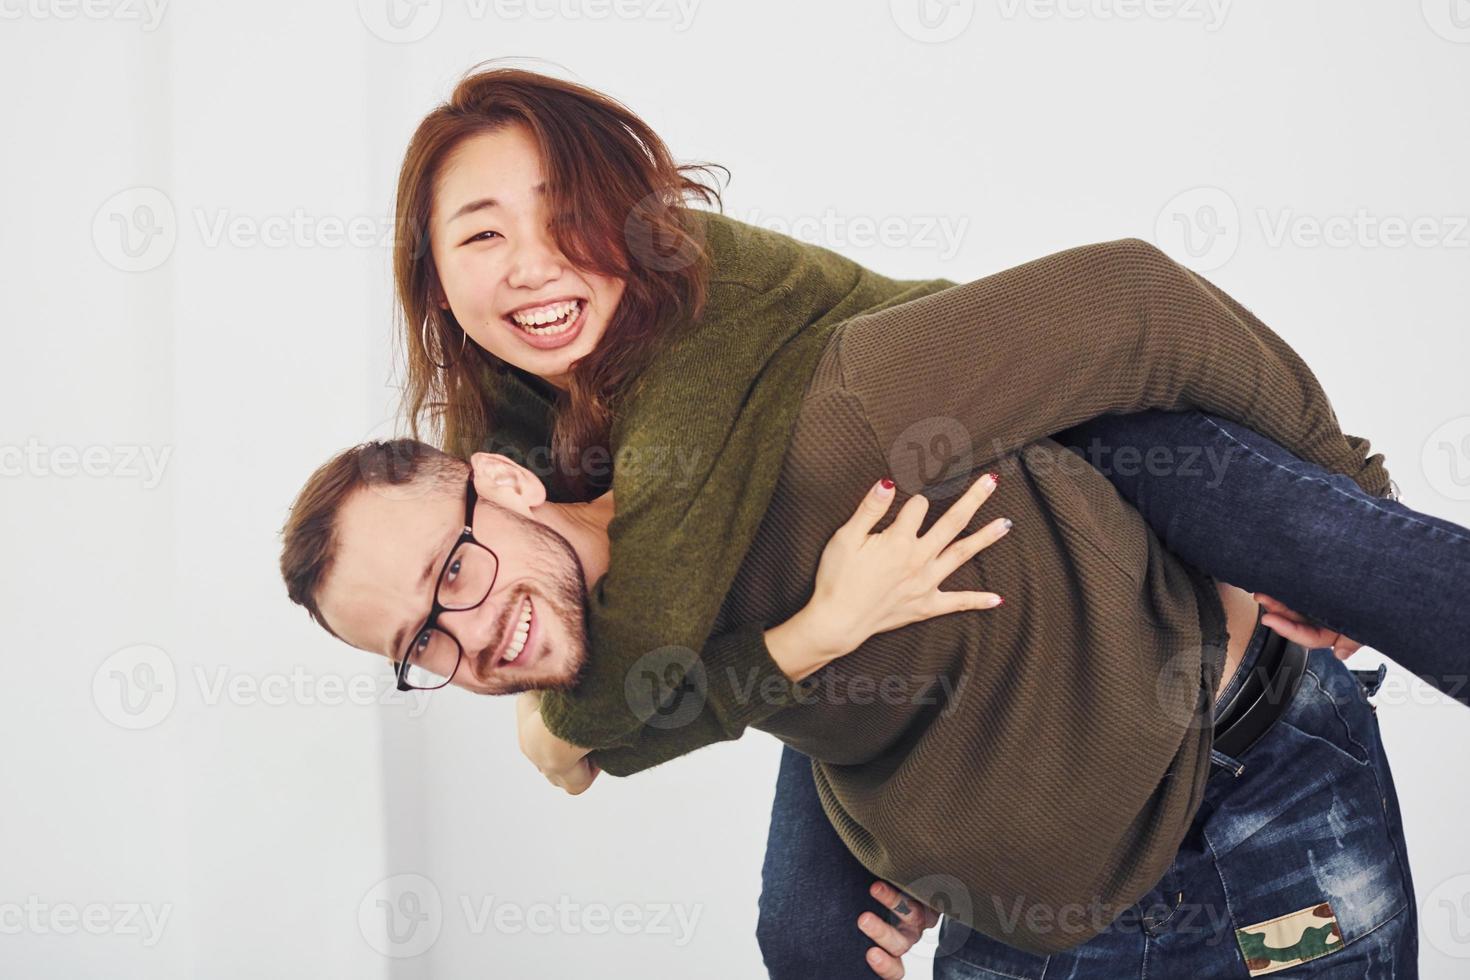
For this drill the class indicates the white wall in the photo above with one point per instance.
(267, 820)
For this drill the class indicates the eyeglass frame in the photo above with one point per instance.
(431, 621)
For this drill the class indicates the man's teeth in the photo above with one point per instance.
(523, 629)
(546, 320)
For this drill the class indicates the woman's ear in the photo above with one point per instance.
(503, 481)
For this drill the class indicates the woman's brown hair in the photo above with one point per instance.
(618, 202)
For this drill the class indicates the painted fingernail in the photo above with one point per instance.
(994, 478)
(1000, 601)
(1007, 524)
(886, 484)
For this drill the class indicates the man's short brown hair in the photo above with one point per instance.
(309, 540)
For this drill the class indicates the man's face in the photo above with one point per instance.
(392, 543)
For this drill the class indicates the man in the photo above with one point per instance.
(377, 527)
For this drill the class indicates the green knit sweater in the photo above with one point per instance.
(706, 432)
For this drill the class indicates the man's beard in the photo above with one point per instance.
(566, 596)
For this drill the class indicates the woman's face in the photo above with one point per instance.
(503, 277)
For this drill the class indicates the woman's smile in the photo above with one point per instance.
(548, 325)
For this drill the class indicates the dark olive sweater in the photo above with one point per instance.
(1030, 762)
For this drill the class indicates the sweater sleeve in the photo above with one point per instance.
(1113, 327)
(732, 685)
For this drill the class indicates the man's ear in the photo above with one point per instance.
(503, 481)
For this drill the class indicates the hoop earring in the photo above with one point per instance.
(424, 339)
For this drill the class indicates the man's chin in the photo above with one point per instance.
(541, 677)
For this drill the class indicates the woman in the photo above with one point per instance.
(554, 288)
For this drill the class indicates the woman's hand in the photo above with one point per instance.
(563, 764)
(872, 583)
(1299, 629)
(886, 959)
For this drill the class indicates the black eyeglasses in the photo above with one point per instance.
(432, 656)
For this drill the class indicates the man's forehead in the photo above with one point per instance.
(385, 540)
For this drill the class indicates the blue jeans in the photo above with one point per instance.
(1303, 831)
(1245, 511)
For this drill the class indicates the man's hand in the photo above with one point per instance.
(563, 764)
(1299, 629)
(886, 959)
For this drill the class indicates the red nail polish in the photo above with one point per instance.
(1001, 601)
(887, 483)
(995, 478)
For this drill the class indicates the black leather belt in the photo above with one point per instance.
(1262, 696)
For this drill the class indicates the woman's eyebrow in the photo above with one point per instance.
(486, 203)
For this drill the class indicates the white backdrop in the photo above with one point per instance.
(194, 275)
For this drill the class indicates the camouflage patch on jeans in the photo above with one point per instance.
(1289, 939)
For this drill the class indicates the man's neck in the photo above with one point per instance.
(585, 528)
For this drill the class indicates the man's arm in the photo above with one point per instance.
(1114, 327)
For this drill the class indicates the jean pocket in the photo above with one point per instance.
(1301, 841)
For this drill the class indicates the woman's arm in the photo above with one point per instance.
(865, 584)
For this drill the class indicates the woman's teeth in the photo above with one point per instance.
(523, 629)
(548, 320)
